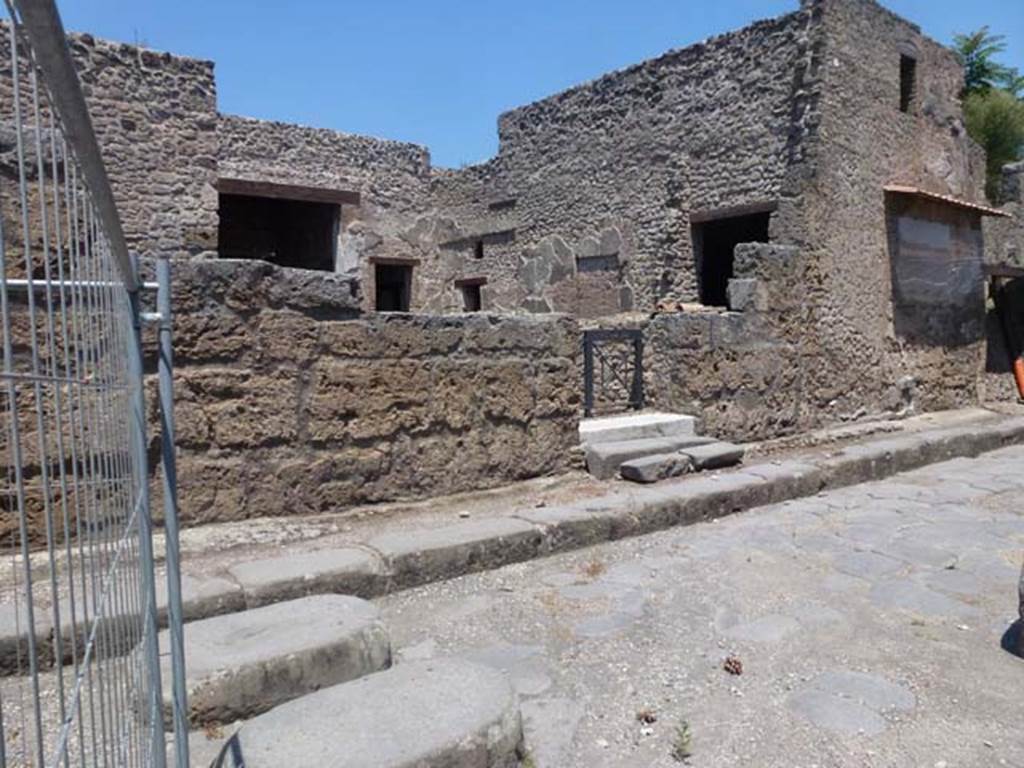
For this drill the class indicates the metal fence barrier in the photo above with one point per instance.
(79, 607)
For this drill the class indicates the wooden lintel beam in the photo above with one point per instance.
(286, 191)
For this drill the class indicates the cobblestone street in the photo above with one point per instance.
(869, 624)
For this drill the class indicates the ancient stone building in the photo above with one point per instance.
(788, 217)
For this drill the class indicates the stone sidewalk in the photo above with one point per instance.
(389, 556)
(868, 622)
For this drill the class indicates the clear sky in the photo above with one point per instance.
(439, 72)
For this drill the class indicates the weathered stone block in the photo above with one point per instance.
(604, 459)
(345, 571)
(419, 557)
(242, 664)
(429, 714)
(714, 455)
(651, 469)
(745, 295)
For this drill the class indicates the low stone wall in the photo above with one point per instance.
(290, 402)
(750, 373)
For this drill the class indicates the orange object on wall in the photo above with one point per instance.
(1018, 374)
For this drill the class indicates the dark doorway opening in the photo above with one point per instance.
(289, 233)
(471, 300)
(714, 242)
(393, 287)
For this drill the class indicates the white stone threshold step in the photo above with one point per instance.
(242, 664)
(430, 714)
(635, 426)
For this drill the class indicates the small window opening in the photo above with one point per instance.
(471, 300)
(908, 82)
(478, 249)
(289, 233)
(714, 243)
(393, 287)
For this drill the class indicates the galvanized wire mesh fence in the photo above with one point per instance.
(78, 597)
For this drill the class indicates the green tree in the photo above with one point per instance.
(993, 110)
(976, 52)
(995, 119)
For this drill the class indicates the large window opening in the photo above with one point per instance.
(289, 233)
(393, 287)
(908, 82)
(714, 243)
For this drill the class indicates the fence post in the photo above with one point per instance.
(638, 397)
(151, 647)
(588, 374)
(165, 371)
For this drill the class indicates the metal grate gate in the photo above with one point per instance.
(613, 371)
(79, 609)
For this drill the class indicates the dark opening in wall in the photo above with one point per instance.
(908, 82)
(478, 249)
(713, 244)
(471, 300)
(393, 287)
(289, 233)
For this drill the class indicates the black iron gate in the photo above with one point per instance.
(613, 371)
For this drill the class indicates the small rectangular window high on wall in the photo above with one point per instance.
(470, 289)
(908, 82)
(471, 301)
(393, 283)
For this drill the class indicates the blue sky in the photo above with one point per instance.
(439, 72)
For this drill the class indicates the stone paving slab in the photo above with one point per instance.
(604, 459)
(345, 570)
(848, 657)
(201, 597)
(14, 637)
(242, 664)
(430, 714)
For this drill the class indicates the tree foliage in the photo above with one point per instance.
(995, 119)
(976, 52)
(993, 106)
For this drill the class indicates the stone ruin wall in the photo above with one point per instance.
(1004, 238)
(1004, 244)
(289, 401)
(741, 372)
(155, 116)
(393, 179)
(866, 142)
(611, 170)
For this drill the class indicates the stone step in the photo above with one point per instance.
(660, 466)
(605, 459)
(635, 426)
(428, 714)
(714, 455)
(243, 664)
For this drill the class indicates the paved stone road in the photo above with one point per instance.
(868, 622)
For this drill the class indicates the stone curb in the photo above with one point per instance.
(421, 714)
(400, 560)
(243, 664)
